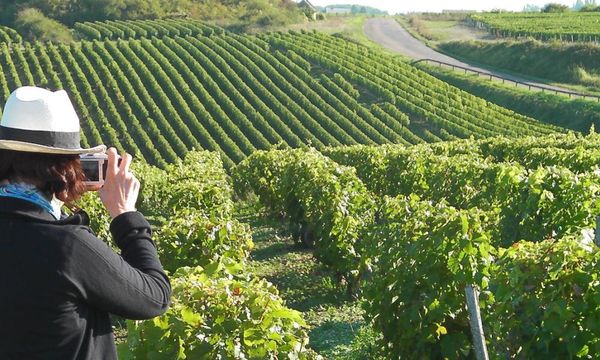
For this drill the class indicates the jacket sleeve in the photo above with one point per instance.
(133, 285)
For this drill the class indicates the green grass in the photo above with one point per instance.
(575, 114)
(307, 286)
(449, 35)
(566, 65)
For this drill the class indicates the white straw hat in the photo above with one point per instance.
(41, 121)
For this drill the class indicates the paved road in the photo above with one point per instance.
(394, 37)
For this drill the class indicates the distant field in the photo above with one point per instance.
(569, 26)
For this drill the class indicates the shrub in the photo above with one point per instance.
(33, 25)
(545, 300)
(192, 238)
(219, 312)
(424, 256)
(197, 182)
(329, 203)
(555, 8)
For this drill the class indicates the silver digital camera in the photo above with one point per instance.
(94, 167)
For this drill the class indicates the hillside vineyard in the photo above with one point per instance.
(158, 98)
(338, 152)
(575, 26)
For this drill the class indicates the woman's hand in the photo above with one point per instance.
(120, 191)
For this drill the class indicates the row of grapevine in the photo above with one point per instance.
(326, 200)
(157, 103)
(444, 99)
(9, 35)
(232, 89)
(230, 118)
(576, 26)
(312, 117)
(10, 72)
(576, 152)
(532, 305)
(39, 77)
(134, 126)
(134, 29)
(204, 250)
(419, 94)
(160, 98)
(260, 80)
(460, 220)
(367, 126)
(372, 124)
(190, 103)
(171, 98)
(318, 95)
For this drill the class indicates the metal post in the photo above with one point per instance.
(597, 237)
(475, 321)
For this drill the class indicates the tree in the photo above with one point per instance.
(555, 8)
(531, 8)
(590, 8)
(33, 25)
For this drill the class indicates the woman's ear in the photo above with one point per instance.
(62, 196)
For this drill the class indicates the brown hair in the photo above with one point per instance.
(55, 174)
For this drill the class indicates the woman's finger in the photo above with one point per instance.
(125, 162)
(112, 167)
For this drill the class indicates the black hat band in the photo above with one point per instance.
(57, 139)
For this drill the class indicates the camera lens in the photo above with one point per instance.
(90, 169)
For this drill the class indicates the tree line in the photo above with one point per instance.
(52, 19)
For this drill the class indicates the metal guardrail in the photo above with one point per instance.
(517, 83)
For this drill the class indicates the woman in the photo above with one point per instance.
(59, 282)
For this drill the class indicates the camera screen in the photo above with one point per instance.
(91, 170)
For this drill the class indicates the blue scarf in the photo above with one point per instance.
(32, 194)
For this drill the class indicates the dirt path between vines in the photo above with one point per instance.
(392, 36)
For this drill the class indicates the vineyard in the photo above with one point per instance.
(218, 308)
(404, 228)
(405, 189)
(158, 98)
(133, 29)
(575, 26)
(409, 228)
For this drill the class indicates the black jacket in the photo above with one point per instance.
(59, 282)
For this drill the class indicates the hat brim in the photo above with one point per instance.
(37, 148)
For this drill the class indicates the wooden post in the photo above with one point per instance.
(475, 321)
